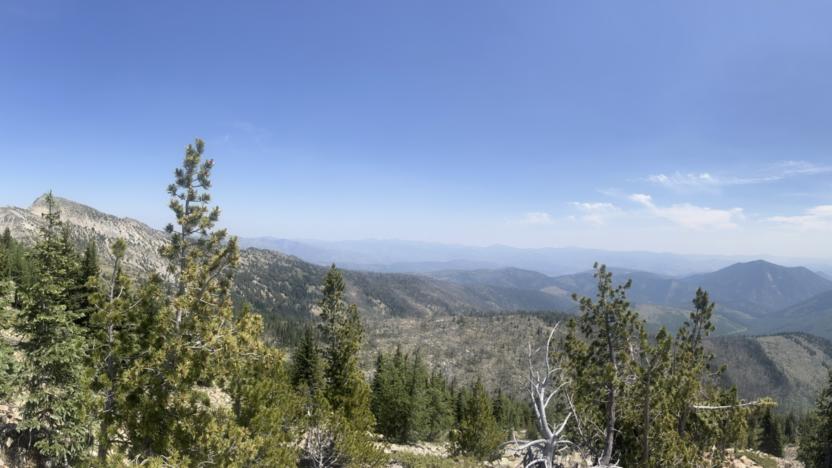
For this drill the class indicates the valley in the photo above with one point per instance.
(476, 322)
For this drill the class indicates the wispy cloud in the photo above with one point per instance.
(537, 218)
(815, 218)
(710, 181)
(596, 212)
(691, 216)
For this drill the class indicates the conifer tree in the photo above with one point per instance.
(8, 363)
(57, 407)
(440, 408)
(342, 333)
(691, 359)
(117, 330)
(86, 285)
(390, 402)
(600, 364)
(339, 421)
(266, 411)
(417, 396)
(771, 441)
(15, 262)
(6, 240)
(790, 428)
(816, 441)
(477, 433)
(648, 415)
(307, 372)
(193, 329)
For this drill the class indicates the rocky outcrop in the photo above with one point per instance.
(90, 225)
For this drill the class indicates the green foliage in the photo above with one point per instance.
(338, 419)
(56, 414)
(15, 263)
(816, 439)
(790, 428)
(174, 371)
(656, 400)
(86, 285)
(771, 439)
(9, 367)
(346, 390)
(477, 434)
(440, 408)
(264, 405)
(409, 403)
(197, 354)
(599, 360)
(307, 373)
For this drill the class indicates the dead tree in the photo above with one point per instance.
(546, 382)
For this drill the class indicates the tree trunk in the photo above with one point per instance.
(606, 456)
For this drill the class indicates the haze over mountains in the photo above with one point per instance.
(753, 298)
(400, 256)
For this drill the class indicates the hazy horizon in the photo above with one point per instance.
(693, 129)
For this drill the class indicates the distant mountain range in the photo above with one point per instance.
(752, 296)
(281, 286)
(749, 295)
(398, 256)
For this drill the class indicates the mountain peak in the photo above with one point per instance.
(68, 208)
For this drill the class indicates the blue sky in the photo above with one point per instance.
(693, 127)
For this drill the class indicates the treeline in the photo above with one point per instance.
(413, 404)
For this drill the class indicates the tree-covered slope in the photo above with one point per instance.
(790, 367)
(281, 286)
(760, 287)
(811, 316)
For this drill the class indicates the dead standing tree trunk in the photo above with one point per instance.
(544, 385)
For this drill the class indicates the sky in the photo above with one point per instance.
(689, 127)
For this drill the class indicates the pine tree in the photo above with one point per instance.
(389, 398)
(440, 408)
(266, 411)
(691, 358)
(648, 436)
(117, 330)
(6, 240)
(193, 329)
(342, 333)
(600, 364)
(477, 433)
(417, 396)
(790, 428)
(816, 440)
(771, 440)
(15, 263)
(503, 411)
(307, 372)
(341, 420)
(57, 407)
(86, 285)
(8, 363)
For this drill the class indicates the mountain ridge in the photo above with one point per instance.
(281, 286)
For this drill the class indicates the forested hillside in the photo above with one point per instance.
(417, 311)
(161, 357)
